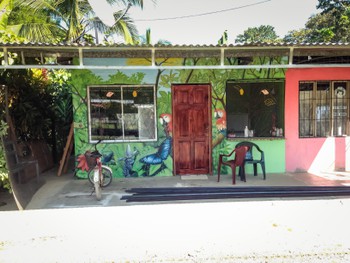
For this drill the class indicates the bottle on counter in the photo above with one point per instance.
(246, 131)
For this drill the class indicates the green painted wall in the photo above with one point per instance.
(274, 152)
(116, 153)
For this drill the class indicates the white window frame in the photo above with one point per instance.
(121, 87)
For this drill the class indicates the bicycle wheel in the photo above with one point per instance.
(91, 176)
(107, 177)
(98, 191)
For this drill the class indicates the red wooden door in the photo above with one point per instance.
(191, 129)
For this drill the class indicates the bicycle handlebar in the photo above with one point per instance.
(99, 141)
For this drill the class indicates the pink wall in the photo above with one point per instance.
(302, 153)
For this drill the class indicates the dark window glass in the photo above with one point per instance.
(257, 105)
(122, 113)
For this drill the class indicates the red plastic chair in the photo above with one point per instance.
(240, 153)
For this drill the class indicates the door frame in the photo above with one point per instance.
(209, 87)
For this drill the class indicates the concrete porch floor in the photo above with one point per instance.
(68, 192)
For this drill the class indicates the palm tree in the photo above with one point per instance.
(39, 27)
(75, 19)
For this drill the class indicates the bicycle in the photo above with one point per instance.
(99, 175)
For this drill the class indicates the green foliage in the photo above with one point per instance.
(39, 28)
(121, 77)
(5, 7)
(331, 25)
(27, 97)
(70, 20)
(327, 5)
(9, 37)
(61, 106)
(297, 36)
(167, 79)
(40, 105)
(164, 102)
(224, 38)
(83, 78)
(4, 180)
(263, 33)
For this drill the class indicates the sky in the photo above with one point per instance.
(185, 22)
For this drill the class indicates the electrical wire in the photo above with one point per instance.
(201, 14)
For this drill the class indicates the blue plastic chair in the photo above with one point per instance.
(249, 158)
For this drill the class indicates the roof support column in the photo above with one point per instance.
(222, 57)
(291, 55)
(153, 57)
(23, 59)
(6, 58)
(81, 57)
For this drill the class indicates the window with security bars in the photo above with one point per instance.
(323, 108)
(122, 113)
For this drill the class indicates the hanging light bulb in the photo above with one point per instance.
(265, 91)
(241, 91)
(134, 93)
(109, 94)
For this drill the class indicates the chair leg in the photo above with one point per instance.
(233, 168)
(219, 167)
(263, 169)
(242, 173)
(242, 170)
(255, 169)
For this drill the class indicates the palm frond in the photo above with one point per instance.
(77, 18)
(97, 24)
(137, 3)
(5, 10)
(36, 5)
(14, 29)
(126, 28)
(38, 32)
(51, 7)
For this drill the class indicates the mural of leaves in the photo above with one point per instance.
(164, 79)
(167, 79)
(164, 102)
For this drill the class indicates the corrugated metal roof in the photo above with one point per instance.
(242, 45)
(297, 53)
(161, 50)
(181, 51)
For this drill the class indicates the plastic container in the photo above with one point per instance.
(246, 131)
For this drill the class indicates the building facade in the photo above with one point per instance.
(170, 110)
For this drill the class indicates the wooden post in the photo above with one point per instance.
(67, 151)
(65, 168)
